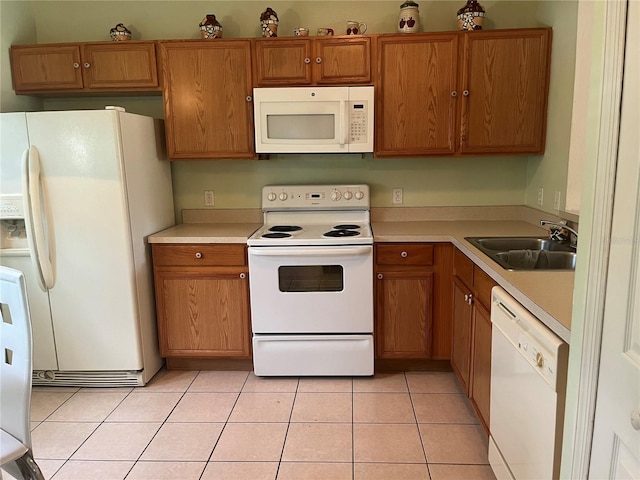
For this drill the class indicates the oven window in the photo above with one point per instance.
(301, 127)
(311, 278)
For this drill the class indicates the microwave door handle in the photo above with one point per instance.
(343, 125)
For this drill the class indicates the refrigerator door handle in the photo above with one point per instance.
(39, 244)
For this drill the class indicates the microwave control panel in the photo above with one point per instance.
(358, 122)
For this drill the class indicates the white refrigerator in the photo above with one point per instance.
(80, 192)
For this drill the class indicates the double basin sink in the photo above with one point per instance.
(527, 253)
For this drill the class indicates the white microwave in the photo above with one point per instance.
(313, 119)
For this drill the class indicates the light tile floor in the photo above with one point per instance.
(233, 425)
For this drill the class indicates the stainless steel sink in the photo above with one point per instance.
(527, 253)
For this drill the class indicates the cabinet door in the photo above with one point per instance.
(481, 359)
(416, 94)
(404, 314)
(120, 65)
(505, 86)
(342, 60)
(45, 68)
(461, 343)
(203, 312)
(207, 99)
(283, 62)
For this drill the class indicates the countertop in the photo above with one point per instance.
(546, 294)
(206, 233)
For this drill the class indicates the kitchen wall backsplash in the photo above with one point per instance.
(236, 184)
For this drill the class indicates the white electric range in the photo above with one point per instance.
(311, 282)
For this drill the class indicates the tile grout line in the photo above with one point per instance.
(226, 422)
(415, 416)
(286, 433)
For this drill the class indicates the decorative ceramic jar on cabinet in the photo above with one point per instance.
(471, 16)
(269, 23)
(409, 21)
(210, 28)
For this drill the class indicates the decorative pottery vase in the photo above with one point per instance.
(409, 21)
(210, 28)
(269, 23)
(120, 33)
(471, 16)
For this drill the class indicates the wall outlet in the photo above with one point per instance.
(556, 200)
(209, 198)
(397, 195)
(541, 196)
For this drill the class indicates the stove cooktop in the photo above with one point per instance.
(314, 215)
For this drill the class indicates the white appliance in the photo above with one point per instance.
(528, 384)
(311, 282)
(313, 119)
(81, 190)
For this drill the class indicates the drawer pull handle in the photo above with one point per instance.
(404, 254)
(198, 255)
(243, 275)
(380, 276)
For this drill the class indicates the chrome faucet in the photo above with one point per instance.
(561, 231)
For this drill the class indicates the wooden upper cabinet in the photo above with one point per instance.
(85, 67)
(342, 60)
(37, 68)
(207, 91)
(308, 61)
(283, 61)
(505, 82)
(462, 93)
(119, 65)
(415, 108)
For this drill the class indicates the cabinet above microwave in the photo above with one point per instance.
(314, 119)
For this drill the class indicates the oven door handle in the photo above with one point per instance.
(310, 252)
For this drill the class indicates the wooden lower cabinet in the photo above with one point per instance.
(202, 300)
(412, 318)
(471, 342)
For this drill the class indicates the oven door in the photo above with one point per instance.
(320, 289)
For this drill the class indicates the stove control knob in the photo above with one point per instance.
(348, 195)
(359, 195)
(336, 195)
(283, 196)
(271, 196)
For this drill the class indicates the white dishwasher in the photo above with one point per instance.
(528, 383)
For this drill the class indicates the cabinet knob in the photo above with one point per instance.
(198, 255)
(248, 98)
(468, 298)
(87, 65)
(404, 254)
(454, 94)
(539, 360)
(380, 276)
(243, 275)
(307, 60)
(465, 93)
(318, 60)
(76, 65)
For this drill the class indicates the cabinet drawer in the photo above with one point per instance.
(482, 284)
(463, 268)
(199, 255)
(404, 254)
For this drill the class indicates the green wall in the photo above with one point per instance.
(426, 181)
